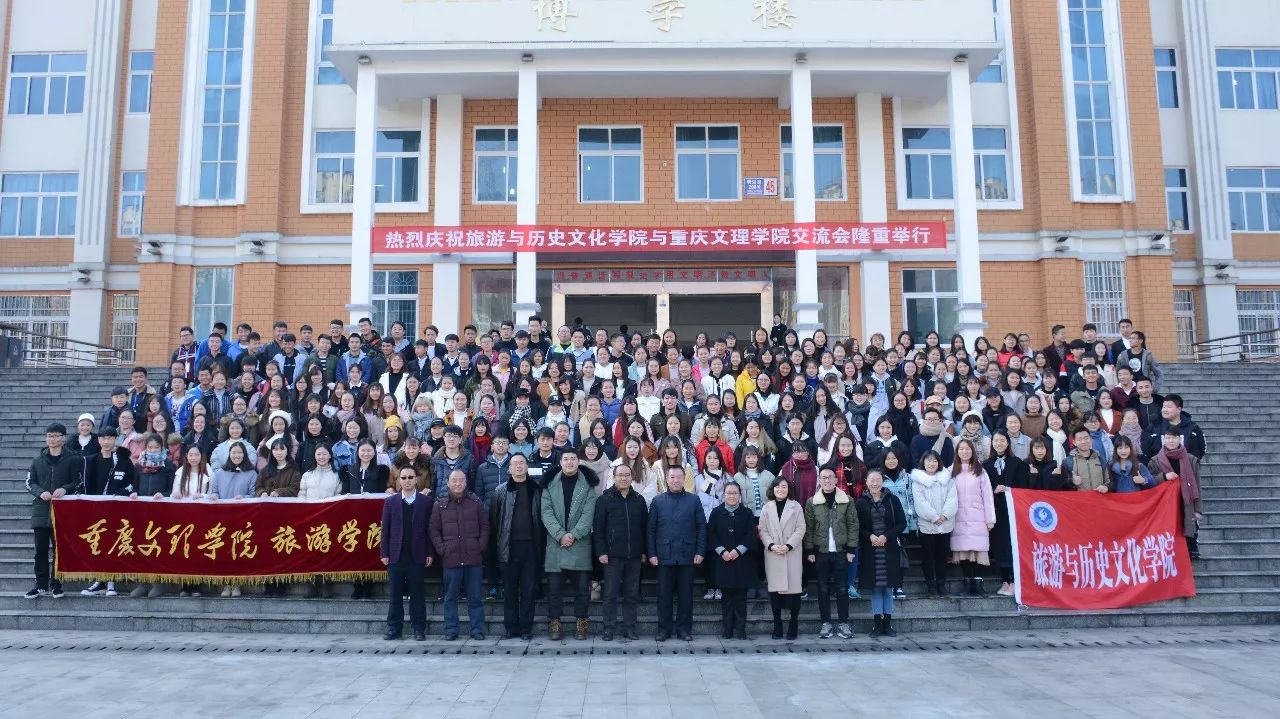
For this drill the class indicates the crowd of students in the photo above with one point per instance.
(521, 463)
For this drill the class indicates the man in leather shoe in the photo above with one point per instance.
(406, 553)
(677, 542)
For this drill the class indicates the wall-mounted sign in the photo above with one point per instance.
(759, 187)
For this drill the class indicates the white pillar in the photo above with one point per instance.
(446, 273)
(1222, 317)
(526, 304)
(805, 205)
(362, 214)
(95, 226)
(969, 321)
(873, 206)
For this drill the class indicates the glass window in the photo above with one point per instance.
(47, 84)
(833, 294)
(1167, 77)
(395, 297)
(991, 162)
(40, 314)
(220, 121)
(495, 164)
(828, 162)
(494, 291)
(212, 298)
(133, 191)
(38, 204)
(1259, 312)
(1091, 94)
(609, 164)
(1248, 79)
(395, 166)
(1254, 197)
(124, 324)
(927, 152)
(929, 300)
(1177, 198)
(141, 64)
(1184, 314)
(707, 162)
(1104, 295)
(326, 73)
(994, 72)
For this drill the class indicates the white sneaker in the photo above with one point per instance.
(97, 589)
(719, 594)
(111, 592)
(843, 631)
(711, 594)
(825, 631)
(226, 591)
(235, 591)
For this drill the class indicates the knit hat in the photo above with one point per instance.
(86, 416)
(392, 421)
(288, 420)
(972, 415)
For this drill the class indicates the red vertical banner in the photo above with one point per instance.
(1083, 550)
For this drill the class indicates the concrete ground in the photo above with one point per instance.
(1209, 672)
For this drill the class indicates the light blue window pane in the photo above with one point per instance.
(67, 62)
(209, 144)
(380, 283)
(1273, 211)
(1098, 63)
(406, 186)
(67, 216)
(918, 177)
(1266, 58)
(922, 138)
(1226, 92)
(994, 178)
(593, 138)
(828, 177)
(1084, 101)
(398, 141)
(1102, 102)
(230, 143)
(512, 169)
(213, 67)
(1076, 23)
(1178, 215)
(1106, 141)
(142, 60)
(788, 188)
(234, 59)
(235, 31)
(231, 106)
(1236, 200)
(75, 95)
(1266, 83)
(691, 137)
(1244, 90)
(512, 138)
(212, 105)
(326, 37)
(30, 63)
(1167, 89)
(725, 138)
(57, 95)
(724, 176)
(35, 96)
(626, 138)
(828, 137)
(785, 136)
(328, 76)
(236, 6)
(208, 180)
(217, 32)
(988, 138)
(596, 182)
(1272, 178)
(691, 175)
(227, 180)
(1080, 64)
(941, 172)
(383, 176)
(1107, 183)
(1096, 34)
(18, 96)
(336, 142)
(993, 73)
(21, 182)
(49, 217)
(1244, 178)
(490, 140)
(135, 181)
(139, 93)
(1165, 57)
(1234, 58)
(1175, 178)
(1084, 138)
(28, 216)
(1088, 177)
(59, 182)
(491, 178)
(9, 216)
(326, 7)
(1253, 211)
(626, 178)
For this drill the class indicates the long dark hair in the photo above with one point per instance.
(272, 470)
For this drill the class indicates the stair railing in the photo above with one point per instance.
(1258, 346)
(43, 350)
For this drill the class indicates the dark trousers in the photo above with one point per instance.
(621, 576)
(455, 580)
(555, 592)
(46, 555)
(519, 579)
(733, 612)
(675, 583)
(406, 577)
(832, 569)
(934, 549)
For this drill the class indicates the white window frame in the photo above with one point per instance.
(979, 154)
(998, 63)
(933, 294)
(509, 154)
(1252, 71)
(1184, 318)
(193, 106)
(40, 196)
(1185, 191)
(127, 197)
(229, 303)
(322, 64)
(610, 153)
(124, 324)
(384, 326)
(1265, 317)
(345, 206)
(708, 152)
(43, 314)
(905, 200)
(1175, 71)
(1118, 86)
(140, 74)
(48, 76)
(783, 152)
(1105, 294)
(1266, 190)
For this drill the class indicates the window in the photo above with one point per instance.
(609, 164)
(220, 123)
(1104, 295)
(1254, 196)
(124, 324)
(495, 164)
(133, 190)
(212, 298)
(1177, 198)
(828, 162)
(833, 295)
(326, 73)
(929, 300)
(1184, 315)
(140, 66)
(494, 291)
(706, 162)
(928, 163)
(33, 204)
(1167, 77)
(395, 166)
(395, 297)
(995, 71)
(40, 314)
(1247, 79)
(47, 84)
(1091, 87)
(991, 162)
(1259, 312)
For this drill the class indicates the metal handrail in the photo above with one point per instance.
(1256, 346)
(55, 351)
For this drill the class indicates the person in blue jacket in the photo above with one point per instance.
(677, 543)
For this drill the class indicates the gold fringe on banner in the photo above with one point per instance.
(251, 580)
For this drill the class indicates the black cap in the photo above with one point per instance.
(108, 432)
(437, 422)
(56, 428)
(119, 389)
(991, 392)
(522, 392)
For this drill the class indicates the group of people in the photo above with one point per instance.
(518, 463)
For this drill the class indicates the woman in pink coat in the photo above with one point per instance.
(975, 516)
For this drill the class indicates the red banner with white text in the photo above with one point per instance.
(228, 541)
(1084, 550)
(742, 238)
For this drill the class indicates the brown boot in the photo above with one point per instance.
(580, 629)
(553, 630)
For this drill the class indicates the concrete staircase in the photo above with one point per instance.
(1238, 581)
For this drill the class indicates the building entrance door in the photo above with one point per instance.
(637, 312)
(647, 306)
(714, 314)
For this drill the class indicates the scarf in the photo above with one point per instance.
(928, 431)
(974, 437)
(755, 489)
(1133, 432)
(422, 424)
(1185, 469)
(1059, 444)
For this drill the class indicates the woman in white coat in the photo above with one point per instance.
(782, 533)
(934, 492)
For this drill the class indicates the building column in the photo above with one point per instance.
(805, 205)
(362, 214)
(95, 226)
(446, 272)
(873, 206)
(1209, 173)
(969, 320)
(526, 304)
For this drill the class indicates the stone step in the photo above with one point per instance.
(1217, 547)
(1246, 517)
(1210, 532)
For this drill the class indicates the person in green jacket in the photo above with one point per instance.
(568, 511)
(830, 539)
